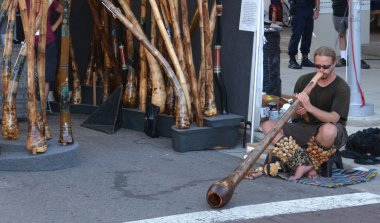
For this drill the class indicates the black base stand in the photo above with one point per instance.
(107, 118)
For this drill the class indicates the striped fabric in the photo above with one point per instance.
(340, 177)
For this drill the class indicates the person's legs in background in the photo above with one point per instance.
(275, 10)
(298, 24)
(307, 37)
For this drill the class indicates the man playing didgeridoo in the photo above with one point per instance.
(319, 121)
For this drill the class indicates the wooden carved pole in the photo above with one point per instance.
(190, 65)
(41, 62)
(8, 116)
(201, 75)
(130, 90)
(4, 9)
(91, 62)
(220, 193)
(76, 97)
(182, 119)
(35, 141)
(65, 134)
(210, 106)
(106, 59)
(218, 60)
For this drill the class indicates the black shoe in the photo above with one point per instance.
(294, 65)
(341, 63)
(306, 62)
(364, 65)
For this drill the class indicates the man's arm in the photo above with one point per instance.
(59, 9)
(316, 9)
(321, 115)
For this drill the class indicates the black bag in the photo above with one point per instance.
(365, 142)
(151, 116)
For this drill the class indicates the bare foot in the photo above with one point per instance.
(312, 174)
(300, 171)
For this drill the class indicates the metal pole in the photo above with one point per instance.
(256, 82)
(358, 107)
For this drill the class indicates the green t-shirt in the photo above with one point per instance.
(334, 97)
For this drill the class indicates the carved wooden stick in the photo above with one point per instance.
(190, 65)
(8, 116)
(76, 97)
(65, 134)
(210, 106)
(35, 141)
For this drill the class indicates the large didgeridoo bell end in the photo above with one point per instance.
(220, 193)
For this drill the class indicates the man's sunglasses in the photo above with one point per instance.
(319, 66)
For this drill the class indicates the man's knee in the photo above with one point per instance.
(327, 130)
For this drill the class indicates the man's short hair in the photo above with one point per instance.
(325, 51)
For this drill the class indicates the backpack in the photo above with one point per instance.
(366, 142)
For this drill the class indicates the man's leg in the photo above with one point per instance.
(326, 135)
(307, 37)
(297, 29)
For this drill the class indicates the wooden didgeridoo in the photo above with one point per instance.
(220, 193)
(182, 119)
(65, 133)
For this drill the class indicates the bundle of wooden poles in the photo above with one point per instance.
(157, 64)
(38, 130)
(154, 64)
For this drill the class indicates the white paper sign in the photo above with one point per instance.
(248, 15)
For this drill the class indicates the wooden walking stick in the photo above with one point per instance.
(220, 193)
(190, 65)
(35, 141)
(130, 89)
(4, 9)
(7, 66)
(210, 106)
(65, 134)
(106, 59)
(218, 60)
(182, 119)
(91, 62)
(41, 62)
(201, 75)
(76, 97)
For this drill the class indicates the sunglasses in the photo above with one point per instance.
(319, 66)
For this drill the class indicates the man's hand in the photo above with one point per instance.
(316, 14)
(305, 101)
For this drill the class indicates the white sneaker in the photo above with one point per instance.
(274, 25)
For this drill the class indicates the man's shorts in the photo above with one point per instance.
(340, 24)
(302, 132)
